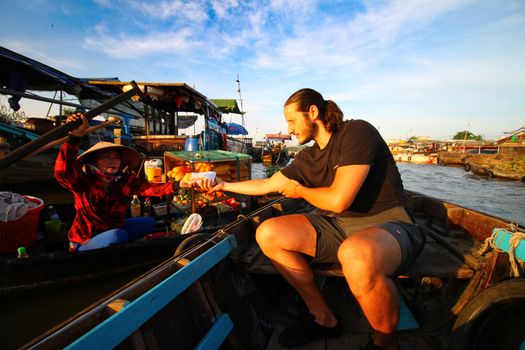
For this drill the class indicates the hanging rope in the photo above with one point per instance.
(516, 237)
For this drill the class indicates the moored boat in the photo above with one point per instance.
(451, 158)
(163, 107)
(275, 150)
(221, 291)
(420, 158)
(501, 168)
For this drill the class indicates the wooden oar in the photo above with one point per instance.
(111, 120)
(62, 130)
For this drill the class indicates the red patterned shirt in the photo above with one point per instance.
(99, 205)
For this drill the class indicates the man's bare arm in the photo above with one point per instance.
(254, 187)
(340, 194)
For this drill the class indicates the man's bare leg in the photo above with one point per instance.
(367, 259)
(282, 240)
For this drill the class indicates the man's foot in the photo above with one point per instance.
(307, 331)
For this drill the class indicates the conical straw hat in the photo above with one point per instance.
(128, 155)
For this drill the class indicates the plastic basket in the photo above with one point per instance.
(21, 232)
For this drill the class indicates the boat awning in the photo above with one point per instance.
(168, 97)
(227, 105)
(21, 73)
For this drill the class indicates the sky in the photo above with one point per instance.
(410, 67)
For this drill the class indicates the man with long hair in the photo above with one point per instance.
(350, 176)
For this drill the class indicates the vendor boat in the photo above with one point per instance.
(48, 265)
(465, 291)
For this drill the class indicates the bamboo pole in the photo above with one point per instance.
(63, 130)
(111, 120)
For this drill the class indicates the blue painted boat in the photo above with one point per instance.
(219, 291)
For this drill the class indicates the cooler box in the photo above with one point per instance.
(229, 166)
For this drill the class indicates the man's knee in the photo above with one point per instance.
(355, 254)
(359, 265)
(265, 234)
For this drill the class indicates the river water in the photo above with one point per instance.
(500, 198)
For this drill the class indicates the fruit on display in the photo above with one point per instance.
(202, 167)
(203, 199)
(230, 171)
(182, 198)
(178, 172)
(227, 171)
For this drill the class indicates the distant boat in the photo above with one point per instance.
(33, 168)
(275, 150)
(492, 171)
(508, 163)
(421, 158)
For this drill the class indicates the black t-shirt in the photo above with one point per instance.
(354, 142)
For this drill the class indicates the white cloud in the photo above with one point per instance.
(222, 7)
(132, 47)
(347, 42)
(383, 60)
(193, 11)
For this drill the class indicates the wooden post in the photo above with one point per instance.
(117, 136)
(176, 119)
(154, 114)
(146, 119)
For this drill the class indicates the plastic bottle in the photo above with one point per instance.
(135, 206)
(22, 253)
(52, 213)
(147, 207)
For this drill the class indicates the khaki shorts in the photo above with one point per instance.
(332, 231)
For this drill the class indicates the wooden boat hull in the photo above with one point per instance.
(60, 268)
(454, 301)
(492, 172)
(451, 158)
(509, 175)
(35, 168)
(275, 157)
(38, 168)
(419, 158)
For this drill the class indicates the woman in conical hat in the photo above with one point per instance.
(128, 156)
(103, 181)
